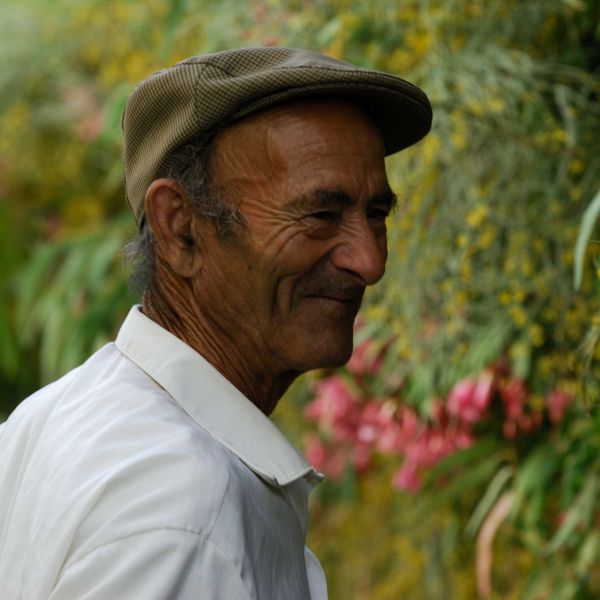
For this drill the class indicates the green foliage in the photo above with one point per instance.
(68, 300)
(588, 223)
(82, 275)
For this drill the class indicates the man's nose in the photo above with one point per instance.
(363, 252)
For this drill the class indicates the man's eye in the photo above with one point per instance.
(325, 215)
(380, 214)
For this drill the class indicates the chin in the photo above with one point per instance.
(340, 358)
(329, 356)
(316, 347)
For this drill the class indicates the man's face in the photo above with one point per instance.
(309, 178)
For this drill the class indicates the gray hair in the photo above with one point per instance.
(188, 165)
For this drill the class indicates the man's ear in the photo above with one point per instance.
(170, 218)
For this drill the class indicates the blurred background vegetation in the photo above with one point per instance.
(463, 442)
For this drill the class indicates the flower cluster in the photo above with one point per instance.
(353, 426)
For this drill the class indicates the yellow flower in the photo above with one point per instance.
(536, 333)
(418, 42)
(519, 296)
(15, 118)
(518, 315)
(487, 237)
(537, 402)
(518, 351)
(575, 193)
(576, 166)
(430, 147)
(526, 267)
(453, 326)
(399, 61)
(477, 215)
(495, 105)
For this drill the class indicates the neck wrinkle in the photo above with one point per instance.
(184, 319)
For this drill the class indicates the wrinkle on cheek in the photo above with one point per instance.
(286, 247)
(272, 228)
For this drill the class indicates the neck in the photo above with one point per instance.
(171, 303)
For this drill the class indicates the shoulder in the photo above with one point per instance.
(141, 464)
(114, 455)
(155, 474)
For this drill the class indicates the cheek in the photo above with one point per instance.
(303, 258)
(285, 250)
(228, 268)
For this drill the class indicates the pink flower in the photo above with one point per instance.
(367, 433)
(469, 398)
(509, 430)
(315, 452)
(331, 461)
(332, 404)
(371, 420)
(407, 479)
(525, 423)
(432, 445)
(463, 439)
(514, 395)
(397, 428)
(409, 421)
(361, 457)
(335, 465)
(557, 403)
(366, 359)
(423, 450)
(390, 439)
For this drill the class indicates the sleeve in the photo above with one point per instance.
(154, 565)
(317, 584)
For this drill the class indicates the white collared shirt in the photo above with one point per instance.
(145, 474)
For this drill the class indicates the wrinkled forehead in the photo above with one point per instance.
(309, 127)
(299, 149)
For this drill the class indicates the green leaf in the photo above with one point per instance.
(585, 233)
(532, 481)
(475, 475)
(114, 106)
(487, 346)
(328, 32)
(579, 514)
(489, 499)
(589, 553)
(476, 453)
(30, 283)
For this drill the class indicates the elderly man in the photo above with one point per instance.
(152, 471)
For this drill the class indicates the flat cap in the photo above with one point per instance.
(197, 95)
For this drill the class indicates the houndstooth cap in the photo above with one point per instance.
(201, 93)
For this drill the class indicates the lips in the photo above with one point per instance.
(331, 286)
(341, 300)
(351, 296)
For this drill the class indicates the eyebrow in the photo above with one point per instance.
(323, 199)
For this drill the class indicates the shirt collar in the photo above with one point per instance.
(212, 401)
